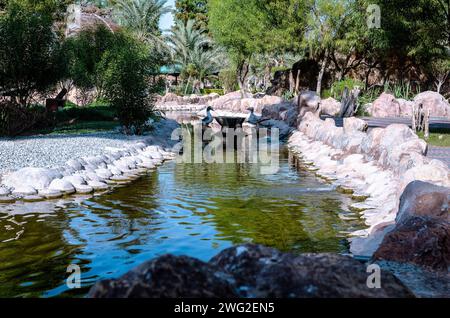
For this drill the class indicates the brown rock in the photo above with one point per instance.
(424, 199)
(423, 241)
(168, 277)
(250, 271)
(323, 276)
(265, 272)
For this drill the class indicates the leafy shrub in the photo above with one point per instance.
(228, 78)
(16, 119)
(126, 69)
(403, 90)
(208, 91)
(84, 53)
(91, 113)
(31, 59)
(287, 95)
(337, 89)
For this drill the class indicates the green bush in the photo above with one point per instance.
(91, 113)
(337, 89)
(126, 69)
(207, 91)
(228, 78)
(16, 119)
(402, 90)
(84, 53)
(31, 59)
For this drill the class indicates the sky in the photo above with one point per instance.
(167, 20)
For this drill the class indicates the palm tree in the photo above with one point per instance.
(198, 56)
(142, 17)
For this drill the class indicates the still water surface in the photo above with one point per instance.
(191, 209)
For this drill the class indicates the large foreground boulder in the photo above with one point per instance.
(422, 232)
(434, 102)
(250, 271)
(422, 241)
(424, 199)
(167, 277)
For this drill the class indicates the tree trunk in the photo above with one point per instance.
(426, 128)
(291, 82)
(297, 82)
(438, 87)
(321, 73)
(243, 70)
(187, 85)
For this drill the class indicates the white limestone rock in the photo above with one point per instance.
(37, 178)
(62, 186)
(83, 188)
(24, 190)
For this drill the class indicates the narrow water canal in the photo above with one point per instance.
(191, 209)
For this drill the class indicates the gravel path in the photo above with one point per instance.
(54, 150)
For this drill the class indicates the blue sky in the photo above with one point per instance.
(167, 19)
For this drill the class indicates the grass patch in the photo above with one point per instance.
(94, 112)
(437, 139)
(82, 127)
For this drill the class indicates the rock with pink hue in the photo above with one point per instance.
(385, 106)
(226, 101)
(434, 102)
(330, 107)
(171, 98)
(354, 124)
(406, 107)
(424, 199)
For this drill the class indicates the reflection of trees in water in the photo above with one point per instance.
(269, 210)
(38, 260)
(309, 224)
(41, 255)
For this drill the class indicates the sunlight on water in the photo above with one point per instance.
(191, 209)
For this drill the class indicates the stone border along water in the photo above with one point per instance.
(373, 167)
(83, 175)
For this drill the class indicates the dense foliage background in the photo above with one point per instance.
(249, 45)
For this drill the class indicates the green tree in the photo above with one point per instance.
(196, 10)
(84, 53)
(238, 26)
(142, 17)
(198, 56)
(414, 34)
(31, 58)
(249, 28)
(126, 69)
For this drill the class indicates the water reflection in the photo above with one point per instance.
(192, 209)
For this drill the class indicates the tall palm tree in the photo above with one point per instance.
(198, 56)
(142, 16)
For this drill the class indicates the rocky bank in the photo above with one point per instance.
(89, 173)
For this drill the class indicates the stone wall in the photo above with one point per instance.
(376, 167)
